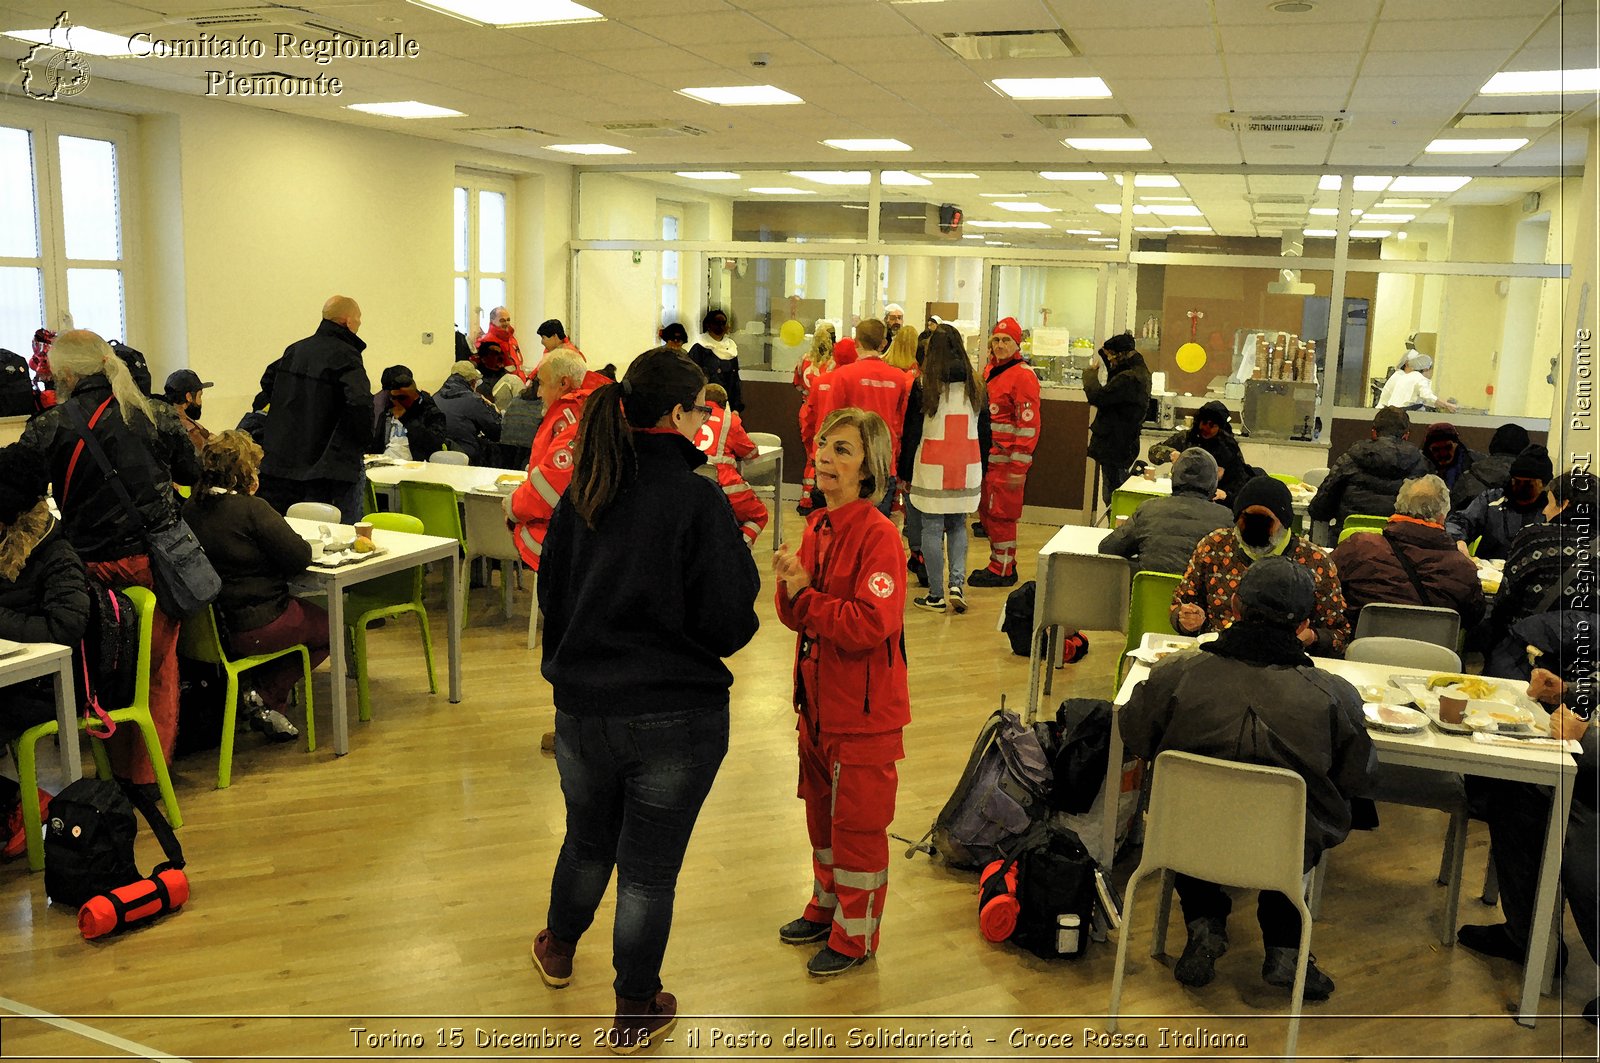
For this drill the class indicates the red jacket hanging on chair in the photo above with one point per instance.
(1013, 429)
(549, 469)
(723, 441)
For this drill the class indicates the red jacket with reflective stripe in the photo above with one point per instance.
(723, 440)
(850, 660)
(868, 384)
(1014, 409)
(549, 469)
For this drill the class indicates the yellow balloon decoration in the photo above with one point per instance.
(1191, 357)
(792, 333)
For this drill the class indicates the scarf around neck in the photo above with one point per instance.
(1259, 643)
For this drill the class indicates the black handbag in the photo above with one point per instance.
(185, 581)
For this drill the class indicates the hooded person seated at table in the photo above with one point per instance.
(1491, 470)
(1448, 457)
(1163, 532)
(1254, 696)
(1211, 431)
(1413, 561)
(1263, 514)
(406, 423)
(1494, 518)
(471, 420)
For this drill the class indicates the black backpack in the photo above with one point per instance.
(1018, 619)
(1055, 897)
(106, 664)
(88, 842)
(1079, 747)
(137, 366)
(17, 396)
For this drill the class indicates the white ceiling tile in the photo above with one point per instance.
(1453, 35)
(1317, 92)
(1096, 13)
(1144, 42)
(1297, 39)
(1255, 13)
(1431, 64)
(841, 22)
(1319, 65)
(1418, 10)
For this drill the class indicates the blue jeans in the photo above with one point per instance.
(913, 526)
(633, 786)
(937, 529)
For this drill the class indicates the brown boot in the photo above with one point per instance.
(547, 742)
(640, 1024)
(553, 958)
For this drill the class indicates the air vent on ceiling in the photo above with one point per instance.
(509, 132)
(1282, 123)
(1279, 198)
(1084, 121)
(653, 129)
(1011, 44)
(264, 15)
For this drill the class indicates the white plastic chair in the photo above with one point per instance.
(1418, 787)
(1084, 592)
(1314, 477)
(487, 537)
(318, 511)
(770, 439)
(1229, 823)
(1426, 623)
(450, 457)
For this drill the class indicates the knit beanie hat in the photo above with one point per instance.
(397, 376)
(1195, 472)
(1418, 362)
(1439, 432)
(1267, 492)
(1534, 463)
(1278, 591)
(1509, 439)
(24, 480)
(1007, 326)
(844, 352)
(1121, 344)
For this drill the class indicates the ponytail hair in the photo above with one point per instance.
(81, 353)
(657, 382)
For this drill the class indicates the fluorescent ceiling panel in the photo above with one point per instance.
(1484, 146)
(1541, 82)
(405, 109)
(1177, 210)
(901, 177)
(82, 39)
(1085, 88)
(588, 149)
(1116, 208)
(1392, 219)
(1007, 224)
(1083, 232)
(513, 12)
(1026, 207)
(1369, 234)
(742, 95)
(1072, 175)
(1329, 233)
(783, 191)
(1429, 184)
(868, 144)
(708, 175)
(1107, 144)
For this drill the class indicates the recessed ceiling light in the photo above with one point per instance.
(1108, 144)
(742, 95)
(1151, 229)
(83, 39)
(1540, 82)
(1083, 232)
(1191, 228)
(1326, 212)
(950, 176)
(1429, 184)
(1293, 7)
(513, 12)
(1072, 175)
(708, 175)
(1388, 204)
(1176, 210)
(1330, 182)
(901, 177)
(968, 236)
(1084, 88)
(1002, 195)
(1116, 208)
(1164, 199)
(783, 191)
(1486, 146)
(404, 109)
(1010, 44)
(1007, 224)
(834, 177)
(1369, 234)
(1328, 233)
(1103, 239)
(1371, 184)
(1028, 208)
(1150, 180)
(868, 144)
(1392, 219)
(588, 149)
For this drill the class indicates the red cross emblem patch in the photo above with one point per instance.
(881, 584)
(562, 459)
(1027, 413)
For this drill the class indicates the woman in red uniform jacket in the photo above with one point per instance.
(844, 593)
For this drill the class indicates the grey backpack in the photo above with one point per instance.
(1000, 794)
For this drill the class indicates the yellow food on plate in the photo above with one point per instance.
(509, 478)
(1471, 686)
(364, 546)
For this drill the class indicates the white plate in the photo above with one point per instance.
(1155, 640)
(7, 647)
(1396, 719)
(342, 559)
(1496, 718)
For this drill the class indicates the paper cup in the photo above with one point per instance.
(316, 550)
(1452, 706)
(363, 530)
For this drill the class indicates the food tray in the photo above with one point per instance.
(347, 557)
(1395, 719)
(1506, 691)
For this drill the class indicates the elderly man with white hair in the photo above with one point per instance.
(1410, 389)
(1414, 560)
(894, 315)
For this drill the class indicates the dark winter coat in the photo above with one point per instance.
(720, 371)
(469, 421)
(1163, 532)
(321, 403)
(1366, 479)
(1493, 517)
(254, 550)
(47, 602)
(1233, 472)
(1120, 407)
(1487, 471)
(1369, 571)
(425, 425)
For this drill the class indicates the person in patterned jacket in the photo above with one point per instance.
(1262, 514)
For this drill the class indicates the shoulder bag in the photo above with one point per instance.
(185, 581)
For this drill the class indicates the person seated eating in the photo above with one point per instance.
(1163, 532)
(1212, 432)
(1495, 516)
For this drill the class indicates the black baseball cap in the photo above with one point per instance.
(184, 381)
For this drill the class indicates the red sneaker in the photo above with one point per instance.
(17, 838)
(639, 1024)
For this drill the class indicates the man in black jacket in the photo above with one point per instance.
(1120, 406)
(321, 421)
(1367, 477)
(471, 420)
(402, 414)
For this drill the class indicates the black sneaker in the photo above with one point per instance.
(1495, 940)
(828, 963)
(1208, 940)
(958, 604)
(977, 530)
(803, 931)
(270, 722)
(1278, 970)
(984, 578)
(929, 603)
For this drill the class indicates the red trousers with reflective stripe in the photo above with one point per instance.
(848, 783)
(999, 507)
(748, 510)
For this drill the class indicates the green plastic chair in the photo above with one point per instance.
(1123, 503)
(1472, 547)
(1285, 478)
(1358, 531)
(1149, 610)
(437, 506)
(396, 594)
(370, 495)
(24, 750)
(1365, 522)
(199, 640)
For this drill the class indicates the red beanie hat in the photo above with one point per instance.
(1008, 326)
(844, 352)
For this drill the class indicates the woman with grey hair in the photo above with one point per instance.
(1413, 561)
(147, 446)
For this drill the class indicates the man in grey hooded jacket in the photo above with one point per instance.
(1162, 533)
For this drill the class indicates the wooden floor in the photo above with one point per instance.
(397, 890)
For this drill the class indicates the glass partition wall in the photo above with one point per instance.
(1307, 279)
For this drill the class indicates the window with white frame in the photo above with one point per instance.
(671, 290)
(482, 266)
(63, 225)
